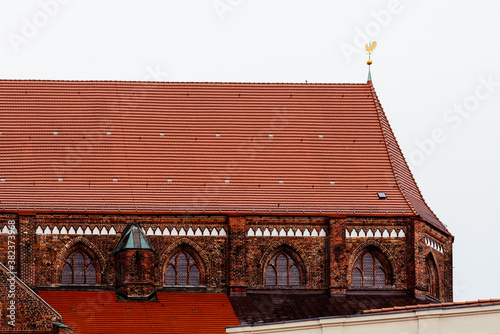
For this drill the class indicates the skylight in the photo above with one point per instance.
(332, 182)
(382, 196)
(320, 135)
(217, 135)
(281, 181)
(162, 133)
(226, 180)
(59, 179)
(55, 132)
(115, 179)
(2, 179)
(270, 135)
(169, 180)
(108, 132)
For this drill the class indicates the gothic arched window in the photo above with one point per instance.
(432, 277)
(282, 270)
(369, 272)
(79, 269)
(182, 270)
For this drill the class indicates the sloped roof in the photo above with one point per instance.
(255, 147)
(100, 312)
(258, 308)
(133, 238)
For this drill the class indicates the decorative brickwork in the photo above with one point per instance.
(231, 258)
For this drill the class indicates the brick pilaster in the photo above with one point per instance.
(237, 256)
(27, 249)
(337, 257)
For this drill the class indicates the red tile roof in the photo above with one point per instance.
(481, 302)
(100, 312)
(201, 146)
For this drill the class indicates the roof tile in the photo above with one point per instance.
(358, 149)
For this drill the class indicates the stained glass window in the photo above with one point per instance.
(368, 271)
(182, 270)
(282, 270)
(79, 269)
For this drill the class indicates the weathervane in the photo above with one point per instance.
(369, 50)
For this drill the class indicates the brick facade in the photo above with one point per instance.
(232, 254)
(22, 311)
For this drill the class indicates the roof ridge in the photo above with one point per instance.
(189, 82)
(389, 134)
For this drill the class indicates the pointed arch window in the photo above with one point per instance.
(79, 269)
(432, 277)
(282, 270)
(182, 270)
(369, 272)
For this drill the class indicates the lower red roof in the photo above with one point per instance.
(100, 312)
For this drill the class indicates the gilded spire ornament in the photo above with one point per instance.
(369, 50)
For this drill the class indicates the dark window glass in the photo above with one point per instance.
(79, 269)
(67, 274)
(432, 279)
(281, 270)
(294, 275)
(91, 275)
(194, 276)
(357, 277)
(368, 271)
(170, 275)
(270, 276)
(182, 270)
(379, 277)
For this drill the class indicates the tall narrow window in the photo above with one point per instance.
(182, 270)
(369, 272)
(79, 269)
(282, 270)
(432, 277)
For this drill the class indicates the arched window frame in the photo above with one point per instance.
(294, 272)
(88, 274)
(192, 265)
(367, 269)
(432, 276)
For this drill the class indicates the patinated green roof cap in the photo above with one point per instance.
(133, 237)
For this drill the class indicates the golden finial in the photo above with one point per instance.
(369, 49)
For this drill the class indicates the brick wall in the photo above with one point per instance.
(427, 241)
(232, 252)
(21, 310)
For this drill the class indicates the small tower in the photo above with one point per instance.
(134, 263)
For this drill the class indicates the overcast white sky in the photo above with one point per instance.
(436, 71)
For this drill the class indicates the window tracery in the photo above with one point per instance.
(79, 269)
(182, 270)
(368, 271)
(282, 270)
